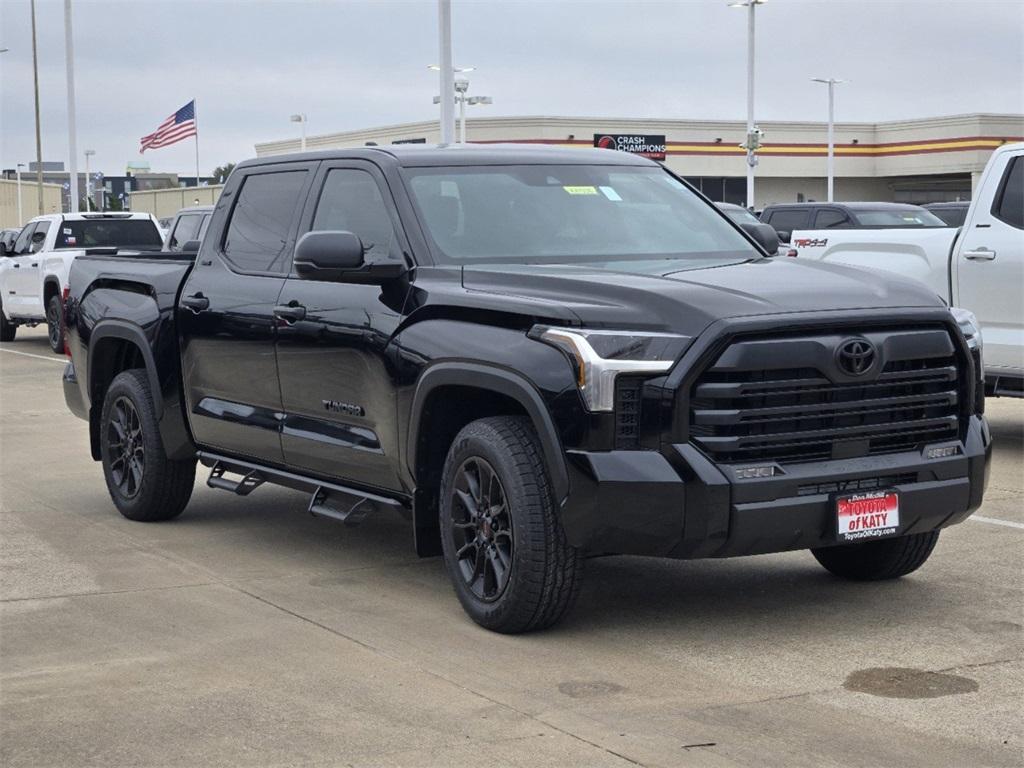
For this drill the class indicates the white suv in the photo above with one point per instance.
(34, 273)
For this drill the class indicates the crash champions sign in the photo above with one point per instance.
(636, 143)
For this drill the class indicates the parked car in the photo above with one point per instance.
(979, 267)
(7, 238)
(537, 355)
(747, 220)
(786, 218)
(187, 227)
(953, 214)
(35, 274)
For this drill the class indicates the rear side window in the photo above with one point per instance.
(787, 221)
(261, 221)
(1009, 203)
(351, 201)
(117, 233)
(186, 229)
(830, 218)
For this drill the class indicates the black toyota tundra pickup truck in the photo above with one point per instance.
(537, 356)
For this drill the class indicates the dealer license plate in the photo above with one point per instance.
(864, 516)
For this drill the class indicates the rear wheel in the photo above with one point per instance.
(504, 547)
(55, 324)
(7, 328)
(878, 560)
(144, 484)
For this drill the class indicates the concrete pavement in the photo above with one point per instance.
(246, 633)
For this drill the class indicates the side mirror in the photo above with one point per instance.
(784, 235)
(192, 246)
(3, 249)
(338, 256)
(763, 235)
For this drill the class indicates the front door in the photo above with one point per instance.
(226, 313)
(22, 295)
(334, 361)
(989, 276)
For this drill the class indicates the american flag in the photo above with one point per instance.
(178, 126)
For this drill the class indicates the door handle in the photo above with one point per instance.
(17, 266)
(982, 254)
(197, 302)
(35, 264)
(290, 313)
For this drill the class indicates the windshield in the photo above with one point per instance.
(120, 233)
(899, 218)
(571, 214)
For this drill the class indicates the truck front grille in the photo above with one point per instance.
(742, 410)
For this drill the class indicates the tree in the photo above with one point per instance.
(221, 173)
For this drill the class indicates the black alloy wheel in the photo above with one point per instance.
(126, 448)
(481, 529)
(53, 325)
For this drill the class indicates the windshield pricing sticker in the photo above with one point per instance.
(868, 515)
(581, 190)
(68, 231)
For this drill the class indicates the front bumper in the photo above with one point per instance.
(677, 503)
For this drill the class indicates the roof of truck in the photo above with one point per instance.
(427, 155)
(850, 206)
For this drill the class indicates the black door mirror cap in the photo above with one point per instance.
(192, 246)
(784, 235)
(338, 256)
(763, 235)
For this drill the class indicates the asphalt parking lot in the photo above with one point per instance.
(248, 633)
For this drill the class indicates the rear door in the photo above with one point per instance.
(226, 313)
(989, 263)
(334, 360)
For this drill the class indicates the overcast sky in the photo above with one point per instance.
(359, 64)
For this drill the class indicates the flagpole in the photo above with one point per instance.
(195, 118)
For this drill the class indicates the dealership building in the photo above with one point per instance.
(918, 161)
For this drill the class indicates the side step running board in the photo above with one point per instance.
(349, 505)
(249, 482)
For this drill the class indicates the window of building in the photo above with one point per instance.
(261, 220)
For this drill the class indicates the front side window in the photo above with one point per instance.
(352, 202)
(24, 239)
(1009, 206)
(830, 219)
(566, 214)
(257, 234)
(39, 237)
(186, 229)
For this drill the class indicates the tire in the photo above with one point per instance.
(509, 561)
(878, 560)
(148, 487)
(7, 328)
(55, 324)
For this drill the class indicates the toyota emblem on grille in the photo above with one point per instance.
(855, 356)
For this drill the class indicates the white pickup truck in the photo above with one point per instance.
(978, 267)
(34, 273)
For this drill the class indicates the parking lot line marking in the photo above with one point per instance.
(37, 357)
(995, 521)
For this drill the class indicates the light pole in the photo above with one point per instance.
(753, 136)
(88, 180)
(461, 86)
(447, 73)
(17, 171)
(302, 120)
(831, 82)
(35, 88)
(454, 87)
(69, 60)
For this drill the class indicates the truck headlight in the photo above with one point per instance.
(600, 356)
(969, 326)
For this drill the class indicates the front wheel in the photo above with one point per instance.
(144, 484)
(54, 324)
(504, 547)
(7, 328)
(878, 560)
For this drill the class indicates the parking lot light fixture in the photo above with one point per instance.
(301, 119)
(752, 137)
(831, 82)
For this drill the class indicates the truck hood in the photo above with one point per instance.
(686, 297)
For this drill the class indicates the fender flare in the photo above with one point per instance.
(503, 382)
(118, 329)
